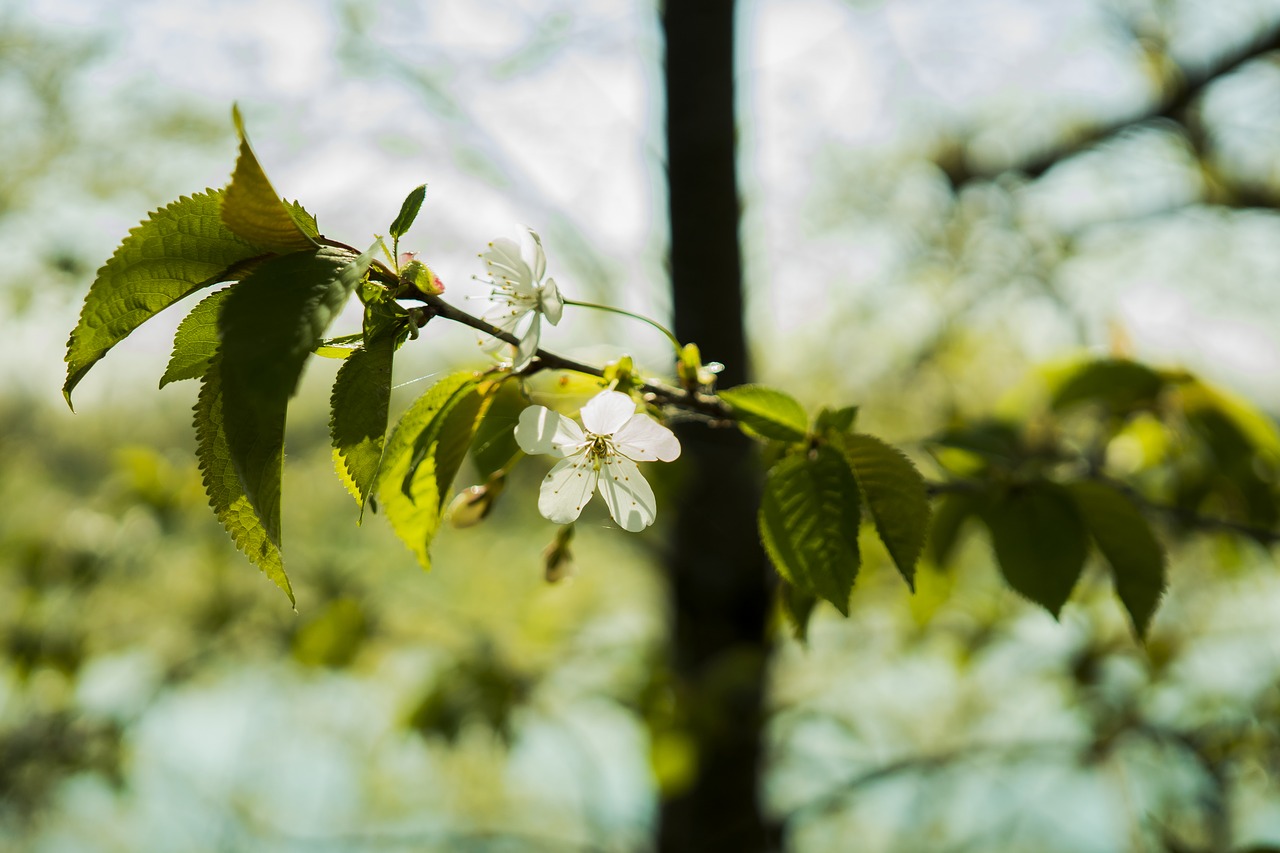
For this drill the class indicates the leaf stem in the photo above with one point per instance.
(675, 342)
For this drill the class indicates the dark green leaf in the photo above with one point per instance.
(408, 212)
(797, 606)
(949, 515)
(195, 345)
(1120, 385)
(358, 422)
(180, 249)
(809, 517)
(222, 484)
(988, 439)
(1040, 541)
(767, 413)
(895, 494)
(1125, 538)
(253, 209)
(269, 324)
(414, 505)
(495, 445)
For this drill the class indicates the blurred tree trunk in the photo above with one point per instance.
(717, 569)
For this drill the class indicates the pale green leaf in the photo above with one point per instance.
(809, 517)
(1125, 538)
(269, 324)
(195, 345)
(415, 515)
(895, 495)
(222, 484)
(408, 212)
(358, 424)
(767, 412)
(1040, 541)
(178, 250)
(835, 420)
(253, 209)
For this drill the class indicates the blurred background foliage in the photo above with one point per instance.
(938, 198)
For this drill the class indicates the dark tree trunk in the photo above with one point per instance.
(718, 573)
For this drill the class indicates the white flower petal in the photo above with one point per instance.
(541, 430)
(504, 262)
(550, 300)
(507, 319)
(645, 440)
(566, 490)
(606, 412)
(626, 493)
(528, 344)
(531, 252)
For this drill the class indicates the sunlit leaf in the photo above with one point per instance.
(413, 505)
(222, 484)
(358, 421)
(809, 517)
(195, 344)
(1040, 541)
(895, 495)
(178, 250)
(408, 211)
(766, 412)
(1125, 538)
(253, 209)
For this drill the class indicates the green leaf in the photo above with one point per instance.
(809, 517)
(178, 250)
(494, 445)
(408, 212)
(835, 420)
(343, 346)
(1120, 385)
(447, 441)
(415, 516)
(305, 221)
(222, 484)
(252, 209)
(269, 324)
(895, 494)
(1125, 538)
(195, 345)
(766, 412)
(1040, 541)
(949, 515)
(358, 424)
(797, 606)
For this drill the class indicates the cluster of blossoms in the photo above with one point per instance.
(600, 455)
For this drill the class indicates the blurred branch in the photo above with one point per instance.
(1185, 86)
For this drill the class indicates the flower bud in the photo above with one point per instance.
(557, 559)
(472, 505)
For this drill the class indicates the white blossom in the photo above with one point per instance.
(600, 455)
(521, 294)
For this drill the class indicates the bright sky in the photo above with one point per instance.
(546, 112)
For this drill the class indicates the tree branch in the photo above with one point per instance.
(1187, 86)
